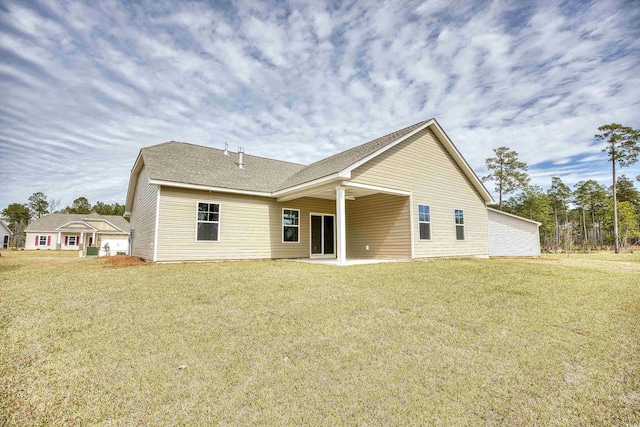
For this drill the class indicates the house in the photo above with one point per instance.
(5, 235)
(512, 235)
(409, 194)
(77, 232)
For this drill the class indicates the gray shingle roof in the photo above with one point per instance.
(49, 223)
(193, 164)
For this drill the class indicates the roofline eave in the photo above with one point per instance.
(166, 183)
(521, 218)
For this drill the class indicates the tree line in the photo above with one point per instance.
(587, 216)
(18, 215)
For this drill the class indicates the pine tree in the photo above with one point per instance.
(507, 171)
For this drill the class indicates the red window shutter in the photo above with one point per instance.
(66, 240)
(37, 240)
(48, 240)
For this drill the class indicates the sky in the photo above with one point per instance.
(85, 85)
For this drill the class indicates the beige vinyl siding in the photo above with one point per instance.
(77, 246)
(380, 221)
(420, 164)
(101, 225)
(143, 217)
(250, 227)
(30, 240)
(510, 236)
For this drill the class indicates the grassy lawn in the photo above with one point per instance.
(440, 342)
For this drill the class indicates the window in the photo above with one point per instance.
(424, 219)
(42, 241)
(72, 240)
(291, 225)
(208, 222)
(459, 215)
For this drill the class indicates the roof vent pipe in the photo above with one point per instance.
(240, 156)
(226, 148)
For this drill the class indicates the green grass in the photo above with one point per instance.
(441, 342)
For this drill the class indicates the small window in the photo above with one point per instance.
(42, 241)
(459, 214)
(291, 225)
(424, 221)
(208, 222)
(72, 240)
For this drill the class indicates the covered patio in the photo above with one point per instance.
(372, 224)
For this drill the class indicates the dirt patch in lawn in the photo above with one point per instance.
(124, 261)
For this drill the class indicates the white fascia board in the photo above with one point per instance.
(313, 183)
(76, 222)
(383, 149)
(133, 180)
(6, 227)
(376, 188)
(160, 182)
(104, 220)
(515, 216)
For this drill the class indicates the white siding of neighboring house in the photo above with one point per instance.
(512, 236)
(4, 232)
(143, 217)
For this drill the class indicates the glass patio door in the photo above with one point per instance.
(322, 236)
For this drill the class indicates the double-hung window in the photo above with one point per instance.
(459, 216)
(42, 241)
(208, 222)
(424, 221)
(72, 241)
(291, 225)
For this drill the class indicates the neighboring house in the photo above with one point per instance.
(78, 231)
(5, 235)
(512, 235)
(409, 194)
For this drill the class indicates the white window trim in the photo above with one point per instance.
(288, 225)
(456, 225)
(209, 222)
(425, 222)
(40, 240)
(335, 243)
(75, 241)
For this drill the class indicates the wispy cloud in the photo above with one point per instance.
(86, 85)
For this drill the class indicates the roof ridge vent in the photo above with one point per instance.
(240, 157)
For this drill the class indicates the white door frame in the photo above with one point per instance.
(322, 255)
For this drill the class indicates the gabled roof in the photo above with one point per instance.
(192, 166)
(70, 226)
(2, 224)
(521, 218)
(343, 160)
(51, 223)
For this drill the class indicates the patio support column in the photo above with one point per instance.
(93, 240)
(81, 239)
(341, 226)
(59, 241)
